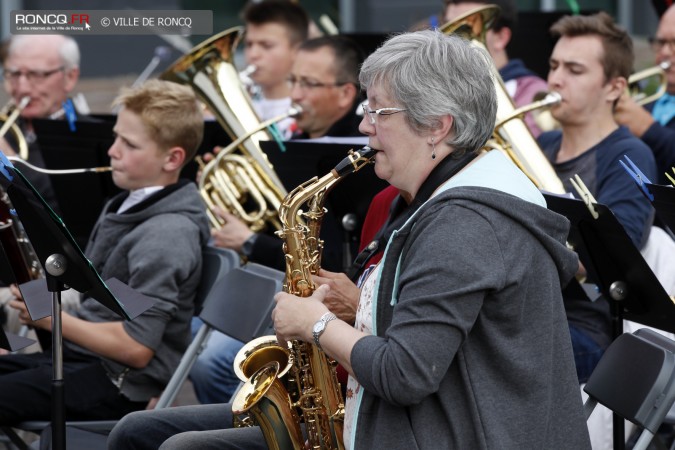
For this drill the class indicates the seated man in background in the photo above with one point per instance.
(112, 366)
(323, 82)
(589, 67)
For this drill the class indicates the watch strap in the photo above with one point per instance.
(327, 317)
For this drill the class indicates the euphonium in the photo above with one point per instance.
(512, 134)
(10, 114)
(209, 69)
(313, 388)
(234, 183)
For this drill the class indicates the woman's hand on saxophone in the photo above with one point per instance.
(343, 297)
(294, 317)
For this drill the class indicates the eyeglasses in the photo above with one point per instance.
(304, 83)
(658, 44)
(33, 76)
(371, 113)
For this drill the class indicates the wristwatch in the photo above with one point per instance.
(320, 327)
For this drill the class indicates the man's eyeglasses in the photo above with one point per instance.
(371, 113)
(304, 83)
(33, 76)
(658, 44)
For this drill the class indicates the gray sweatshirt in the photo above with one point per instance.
(156, 248)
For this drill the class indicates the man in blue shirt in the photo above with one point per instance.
(589, 67)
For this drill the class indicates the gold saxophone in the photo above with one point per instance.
(312, 389)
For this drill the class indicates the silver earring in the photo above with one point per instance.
(433, 150)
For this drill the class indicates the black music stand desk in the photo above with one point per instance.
(65, 266)
(615, 264)
(617, 267)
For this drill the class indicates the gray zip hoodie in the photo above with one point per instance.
(471, 348)
(155, 247)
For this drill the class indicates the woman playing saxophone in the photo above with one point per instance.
(455, 337)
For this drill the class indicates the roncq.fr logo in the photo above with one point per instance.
(51, 19)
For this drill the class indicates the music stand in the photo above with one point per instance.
(617, 267)
(347, 203)
(65, 265)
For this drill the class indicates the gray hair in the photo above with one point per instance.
(431, 75)
(68, 49)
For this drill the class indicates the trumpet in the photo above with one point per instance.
(10, 114)
(636, 81)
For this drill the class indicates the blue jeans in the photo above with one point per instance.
(202, 427)
(212, 375)
(586, 353)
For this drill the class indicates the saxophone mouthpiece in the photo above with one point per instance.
(354, 161)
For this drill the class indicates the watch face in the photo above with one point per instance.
(318, 327)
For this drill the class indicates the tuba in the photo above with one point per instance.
(511, 134)
(252, 183)
(312, 390)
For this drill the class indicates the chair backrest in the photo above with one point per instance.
(216, 262)
(635, 378)
(241, 302)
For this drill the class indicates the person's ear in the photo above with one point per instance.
(501, 38)
(615, 88)
(71, 76)
(444, 129)
(175, 157)
(348, 93)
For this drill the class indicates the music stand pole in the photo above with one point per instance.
(55, 266)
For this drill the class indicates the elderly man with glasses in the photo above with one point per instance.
(43, 69)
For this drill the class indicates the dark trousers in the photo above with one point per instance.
(587, 353)
(25, 389)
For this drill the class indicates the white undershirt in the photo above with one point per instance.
(137, 196)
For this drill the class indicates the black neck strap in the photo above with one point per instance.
(400, 211)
